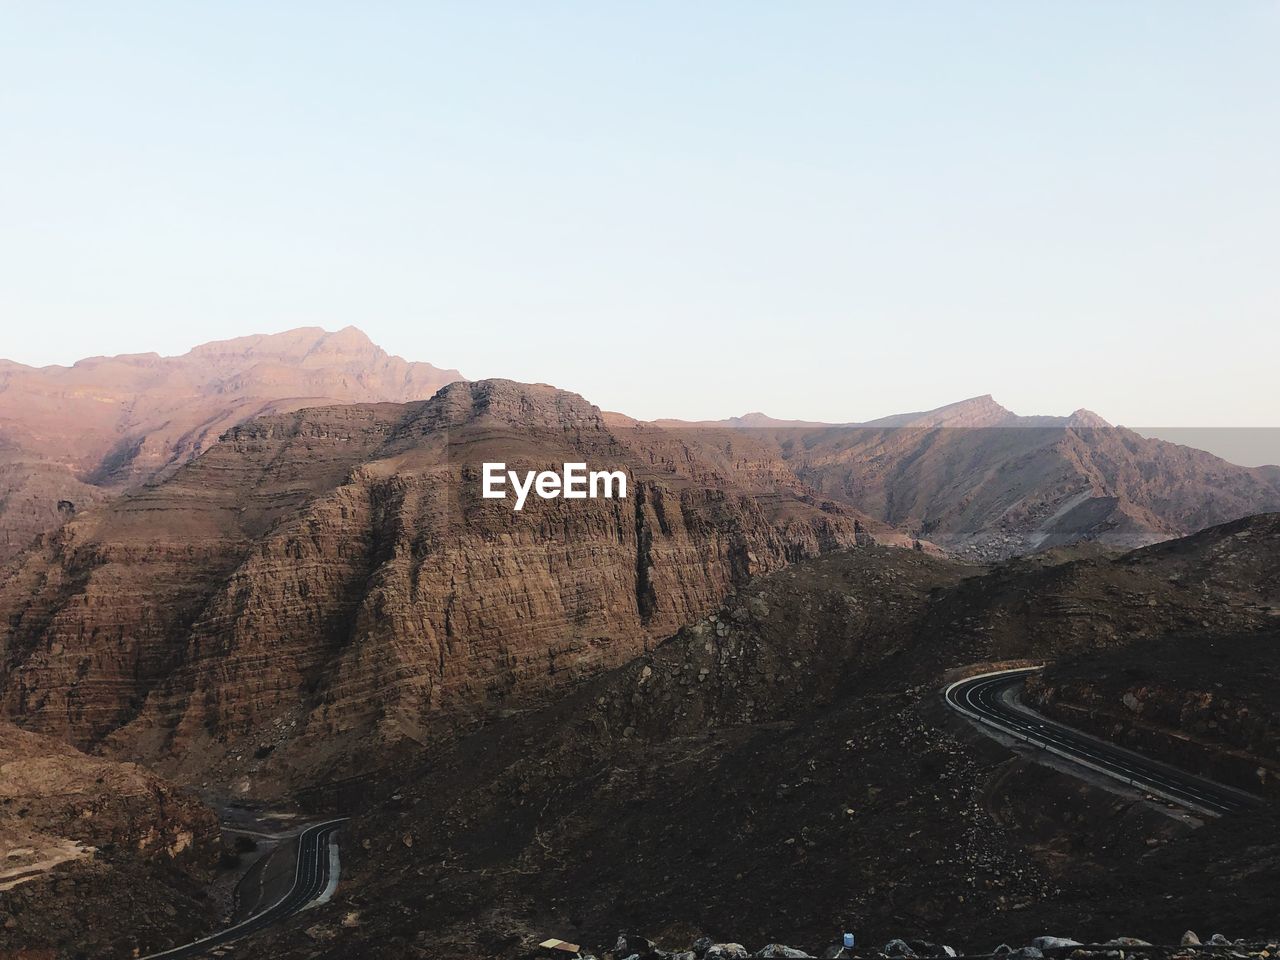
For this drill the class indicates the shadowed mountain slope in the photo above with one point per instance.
(785, 768)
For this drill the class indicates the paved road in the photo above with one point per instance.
(992, 699)
(311, 881)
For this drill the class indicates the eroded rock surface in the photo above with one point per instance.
(97, 857)
(327, 580)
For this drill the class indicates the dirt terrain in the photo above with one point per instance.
(98, 856)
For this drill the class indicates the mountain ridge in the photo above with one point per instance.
(73, 436)
(336, 568)
(977, 411)
(971, 475)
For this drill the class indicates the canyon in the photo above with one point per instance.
(269, 571)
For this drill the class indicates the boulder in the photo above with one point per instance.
(924, 948)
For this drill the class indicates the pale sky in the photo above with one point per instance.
(827, 211)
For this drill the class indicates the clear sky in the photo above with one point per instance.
(820, 210)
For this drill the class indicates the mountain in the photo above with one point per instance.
(812, 780)
(321, 582)
(73, 436)
(970, 476)
(977, 478)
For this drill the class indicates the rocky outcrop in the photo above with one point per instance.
(73, 436)
(330, 579)
(36, 496)
(51, 793)
(1172, 698)
(96, 857)
(97, 615)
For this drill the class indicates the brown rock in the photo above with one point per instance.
(325, 577)
(71, 437)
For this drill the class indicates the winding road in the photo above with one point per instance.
(314, 880)
(991, 699)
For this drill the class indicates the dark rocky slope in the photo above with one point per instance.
(786, 768)
(97, 857)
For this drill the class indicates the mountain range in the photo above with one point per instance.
(266, 569)
(971, 476)
(74, 436)
(254, 571)
(325, 580)
(981, 480)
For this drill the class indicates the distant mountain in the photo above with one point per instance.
(976, 477)
(745, 422)
(72, 436)
(970, 476)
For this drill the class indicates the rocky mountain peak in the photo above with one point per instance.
(304, 346)
(72, 435)
(981, 411)
(754, 419)
(522, 404)
(1086, 418)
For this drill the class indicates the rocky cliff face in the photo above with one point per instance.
(71, 436)
(328, 580)
(980, 480)
(37, 496)
(97, 856)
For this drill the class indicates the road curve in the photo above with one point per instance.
(991, 700)
(311, 881)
